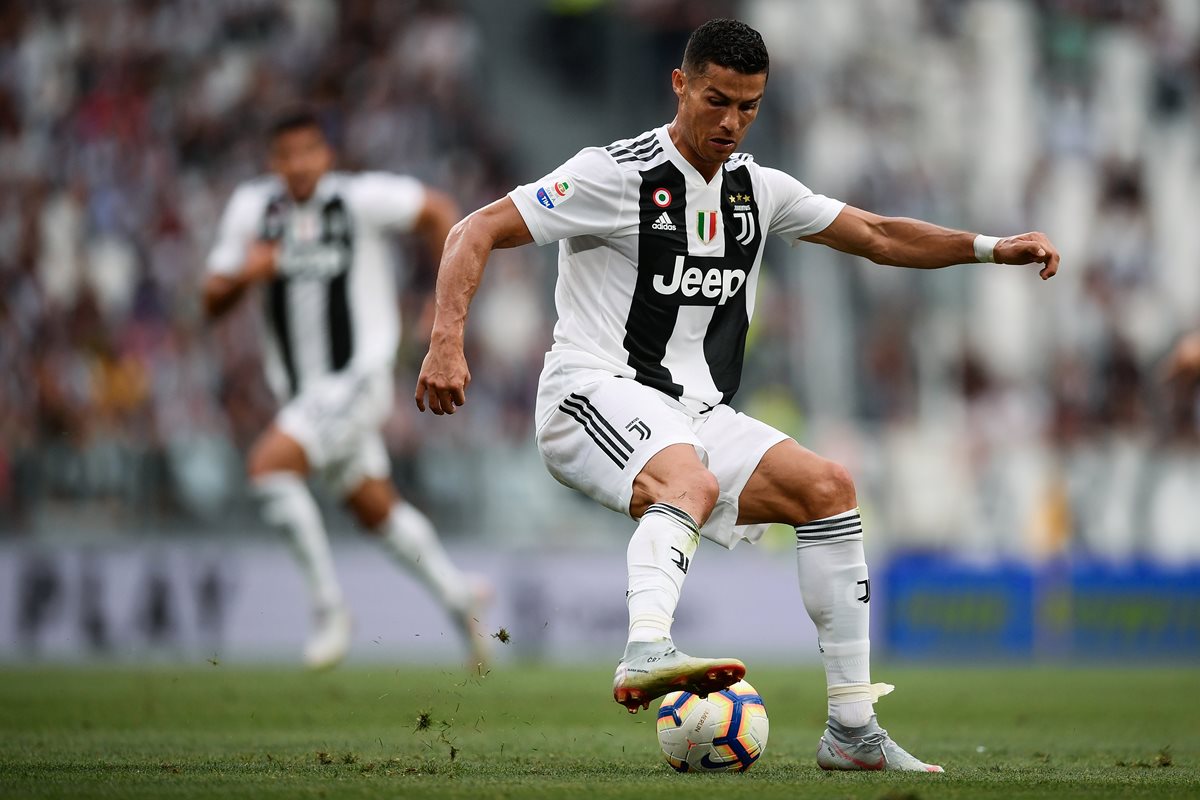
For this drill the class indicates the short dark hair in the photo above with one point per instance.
(726, 43)
(293, 119)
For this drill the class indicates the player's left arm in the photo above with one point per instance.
(432, 226)
(437, 216)
(904, 242)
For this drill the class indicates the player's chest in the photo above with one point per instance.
(316, 240)
(687, 216)
(695, 243)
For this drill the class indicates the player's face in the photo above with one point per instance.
(716, 108)
(301, 157)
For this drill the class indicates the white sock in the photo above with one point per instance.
(659, 555)
(287, 503)
(409, 536)
(836, 591)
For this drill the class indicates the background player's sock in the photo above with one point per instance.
(836, 591)
(409, 536)
(659, 554)
(288, 504)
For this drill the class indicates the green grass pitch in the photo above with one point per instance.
(221, 731)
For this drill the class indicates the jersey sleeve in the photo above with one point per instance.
(239, 227)
(392, 202)
(797, 211)
(582, 197)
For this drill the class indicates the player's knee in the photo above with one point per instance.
(370, 515)
(693, 490)
(275, 452)
(371, 503)
(832, 492)
(259, 462)
(707, 491)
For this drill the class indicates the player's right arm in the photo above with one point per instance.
(239, 259)
(442, 384)
(222, 292)
(584, 196)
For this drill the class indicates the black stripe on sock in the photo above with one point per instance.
(842, 525)
(822, 537)
(672, 511)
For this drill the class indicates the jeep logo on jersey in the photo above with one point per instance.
(700, 287)
(316, 260)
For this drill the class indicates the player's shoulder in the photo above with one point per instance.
(742, 160)
(761, 175)
(260, 187)
(251, 196)
(636, 153)
(368, 182)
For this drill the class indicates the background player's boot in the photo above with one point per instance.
(330, 642)
(652, 669)
(470, 623)
(865, 748)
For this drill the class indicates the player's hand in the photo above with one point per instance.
(1028, 248)
(261, 263)
(444, 378)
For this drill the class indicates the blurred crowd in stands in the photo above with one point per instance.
(981, 410)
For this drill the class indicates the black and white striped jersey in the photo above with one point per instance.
(658, 268)
(333, 303)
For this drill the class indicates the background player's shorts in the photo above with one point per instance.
(336, 420)
(603, 433)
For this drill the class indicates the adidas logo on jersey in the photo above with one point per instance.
(663, 223)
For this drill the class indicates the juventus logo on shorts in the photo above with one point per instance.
(866, 584)
(640, 428)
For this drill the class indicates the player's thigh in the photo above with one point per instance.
(601, 436)
(791, 484)
(276, 451)
(735, 443)
(331, 418)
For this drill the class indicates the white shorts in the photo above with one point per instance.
(602, 434)
(336, 420)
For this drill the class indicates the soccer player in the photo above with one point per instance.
(316, 242)
(660, 240)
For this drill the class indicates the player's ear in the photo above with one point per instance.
(678, 82)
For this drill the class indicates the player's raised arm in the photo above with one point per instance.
(442, 385)
(904, 242)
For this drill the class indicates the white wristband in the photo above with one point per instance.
(985, 248)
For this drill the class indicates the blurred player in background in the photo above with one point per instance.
(661, 237)
(316, 242)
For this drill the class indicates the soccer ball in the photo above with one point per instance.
(725, 731)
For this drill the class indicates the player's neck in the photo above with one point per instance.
(707, 170)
